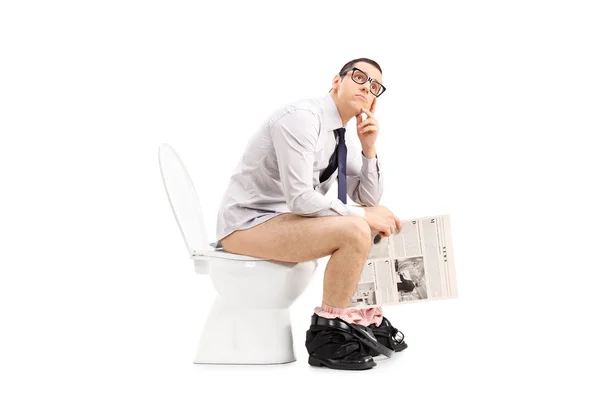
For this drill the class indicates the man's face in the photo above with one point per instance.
(354, 95)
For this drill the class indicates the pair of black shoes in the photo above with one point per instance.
(337, 344)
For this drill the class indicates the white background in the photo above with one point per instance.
(491, 116)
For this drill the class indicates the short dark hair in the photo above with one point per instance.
(351, 64)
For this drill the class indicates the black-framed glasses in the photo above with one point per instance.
(361, 78)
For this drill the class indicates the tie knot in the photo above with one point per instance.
(341, 132)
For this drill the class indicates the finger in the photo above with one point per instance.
(369, 113)
(359, 118)
(398, 223)
(370, 128)
(368, 121)
(389, 228)
(373, 105)
(365, 122)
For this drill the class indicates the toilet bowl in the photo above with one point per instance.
(249, 320)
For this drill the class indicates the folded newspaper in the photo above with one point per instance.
(415, 264)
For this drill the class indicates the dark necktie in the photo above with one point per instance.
(338, 161)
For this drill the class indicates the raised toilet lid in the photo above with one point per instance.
(183, 199)
(186, 207)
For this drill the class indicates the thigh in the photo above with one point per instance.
(291, 238)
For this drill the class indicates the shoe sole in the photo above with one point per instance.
(315, 362)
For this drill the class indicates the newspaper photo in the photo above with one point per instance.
(415, 264)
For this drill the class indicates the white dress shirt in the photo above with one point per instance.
(280, 168)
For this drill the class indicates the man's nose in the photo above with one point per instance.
(365, 87)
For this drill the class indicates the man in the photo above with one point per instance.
(275, 208)
(405, 285)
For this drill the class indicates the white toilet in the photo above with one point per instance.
(249, 322)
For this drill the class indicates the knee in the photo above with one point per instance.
(357, 233)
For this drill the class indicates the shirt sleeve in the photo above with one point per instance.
(295, 140)
(363, 178)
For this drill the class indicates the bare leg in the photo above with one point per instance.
(293, 238)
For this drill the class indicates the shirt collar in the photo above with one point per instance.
(331, 115)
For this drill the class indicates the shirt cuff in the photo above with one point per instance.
(370, 164)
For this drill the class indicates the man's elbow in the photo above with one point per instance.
(298, 206)
(302, 205)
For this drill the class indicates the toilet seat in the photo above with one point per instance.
(205, 258)
(223, 254)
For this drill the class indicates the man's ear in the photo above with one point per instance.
(336, 82)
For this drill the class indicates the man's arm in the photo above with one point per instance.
(295, 139)
(365, 184)
(364, 179)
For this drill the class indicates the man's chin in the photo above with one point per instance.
(356, 105)
(359, 107)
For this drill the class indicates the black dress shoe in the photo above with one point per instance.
(388, 336)
(336, 344)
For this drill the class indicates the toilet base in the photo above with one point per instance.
(235, 335)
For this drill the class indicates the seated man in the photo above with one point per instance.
(406, 285)
(275, 208)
